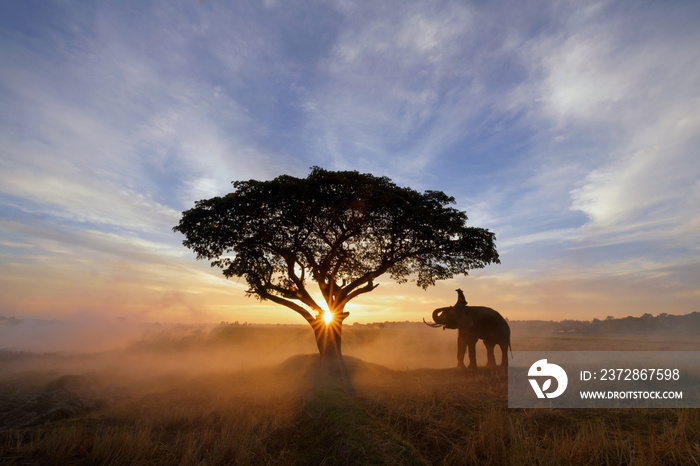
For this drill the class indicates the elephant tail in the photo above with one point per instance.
(511, 350)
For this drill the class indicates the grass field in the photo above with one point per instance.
(396, 400)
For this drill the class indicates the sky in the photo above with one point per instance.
(569, 129)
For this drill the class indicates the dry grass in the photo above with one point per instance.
(202, 421)
(450, 418)
(298, 412)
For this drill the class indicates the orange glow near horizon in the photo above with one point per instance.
(143, 294)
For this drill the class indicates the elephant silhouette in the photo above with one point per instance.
(474, 323)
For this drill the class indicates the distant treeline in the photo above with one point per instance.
(647, 323)
(689, 323)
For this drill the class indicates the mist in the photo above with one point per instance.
(96, 344)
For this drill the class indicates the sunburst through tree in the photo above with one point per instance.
(340, 230)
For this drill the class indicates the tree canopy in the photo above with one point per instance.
(341, 230)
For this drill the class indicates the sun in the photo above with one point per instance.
(327, 317)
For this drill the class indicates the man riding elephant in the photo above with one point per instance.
(474, 323)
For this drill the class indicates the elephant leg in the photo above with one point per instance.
(471, 344)
(461, 347)
(490, 358)
(504, 355)
(465, 341)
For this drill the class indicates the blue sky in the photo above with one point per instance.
(570, 129)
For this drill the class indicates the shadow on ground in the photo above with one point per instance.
(333, 426)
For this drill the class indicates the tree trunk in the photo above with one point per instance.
(329, 337)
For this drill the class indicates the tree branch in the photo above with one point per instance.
(332, 288)
(365, 289)
(298, 282)
(261, 288)
(353, 289)
(293, 306)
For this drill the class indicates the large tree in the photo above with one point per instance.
(341, 230)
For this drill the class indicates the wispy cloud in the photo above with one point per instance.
(569, 130)
(392, 95)
(611, 93)
(639, 89)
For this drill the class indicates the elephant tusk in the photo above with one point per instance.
(431, 325)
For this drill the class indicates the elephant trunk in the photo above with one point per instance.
(436, 319)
